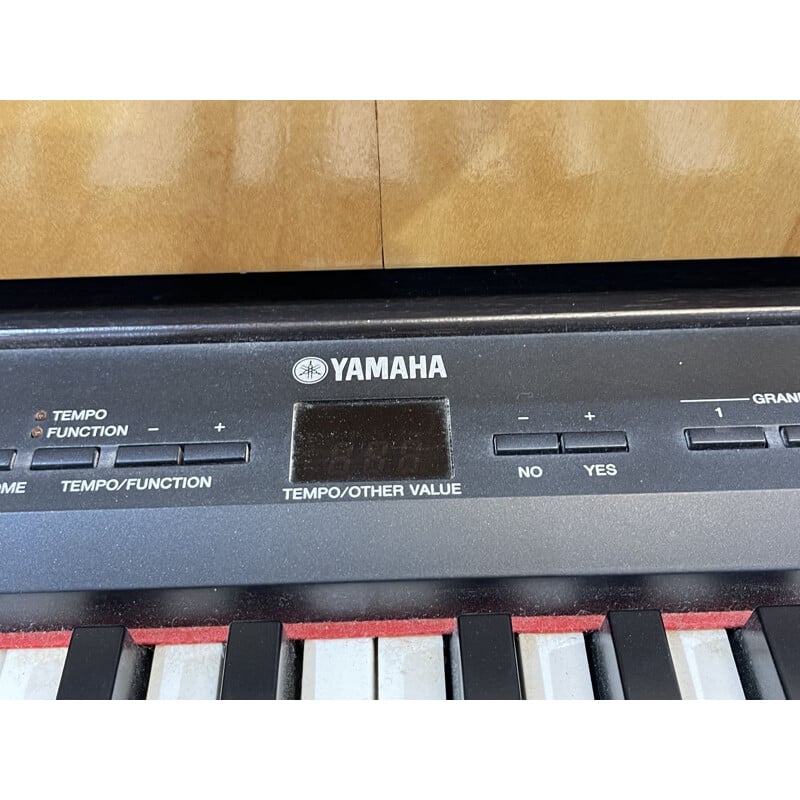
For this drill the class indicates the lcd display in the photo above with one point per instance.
(371, 441)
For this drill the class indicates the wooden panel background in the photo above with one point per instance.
(102, 188)
(163, 187)
(523, 182)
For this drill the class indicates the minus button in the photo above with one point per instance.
(525, 444)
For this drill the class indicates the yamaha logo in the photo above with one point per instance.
(310, 369)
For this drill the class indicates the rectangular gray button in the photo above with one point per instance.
(6, 459)
(148, 455)
(733, 438)
(64, 458)
(523, 444)
(595, 442)
(216, 453)
(791, 435)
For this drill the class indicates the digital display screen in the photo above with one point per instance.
(385, 440)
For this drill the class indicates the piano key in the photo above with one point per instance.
(704, 665)
(770, 653)
(257, 662)
(632, 659)
(338, 669)
(31, 674)
(102, 663)
(555, 666)
(484, 658)
(411, 668)
(185, 672)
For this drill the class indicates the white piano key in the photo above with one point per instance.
(411, 668)
(185, 672)
(704, 665)
(555, 666)
(338, 669)
(31, 674)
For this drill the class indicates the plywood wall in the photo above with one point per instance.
(128, 188)
(531, 182)
(186, 187)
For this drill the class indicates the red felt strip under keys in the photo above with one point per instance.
(711, 620)
(705, 620)
(370, 629)
(557, 624)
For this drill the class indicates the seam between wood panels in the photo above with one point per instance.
(380, 186)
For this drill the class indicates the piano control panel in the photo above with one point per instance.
(404, 419)
(229, 462)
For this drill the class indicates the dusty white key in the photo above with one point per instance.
(411, 668)
(338, 669)
(185, 672)
(704, 665)
(555, 666)
(31, 674)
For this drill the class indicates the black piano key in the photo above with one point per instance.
(256, 662)
(631, 658)
(485, 658)
(769, 653)
(103, 663)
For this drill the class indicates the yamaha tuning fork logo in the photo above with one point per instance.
(312, 369)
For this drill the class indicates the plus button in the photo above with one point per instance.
(590, 416)
(219, 427)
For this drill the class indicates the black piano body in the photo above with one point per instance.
(557, 473)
